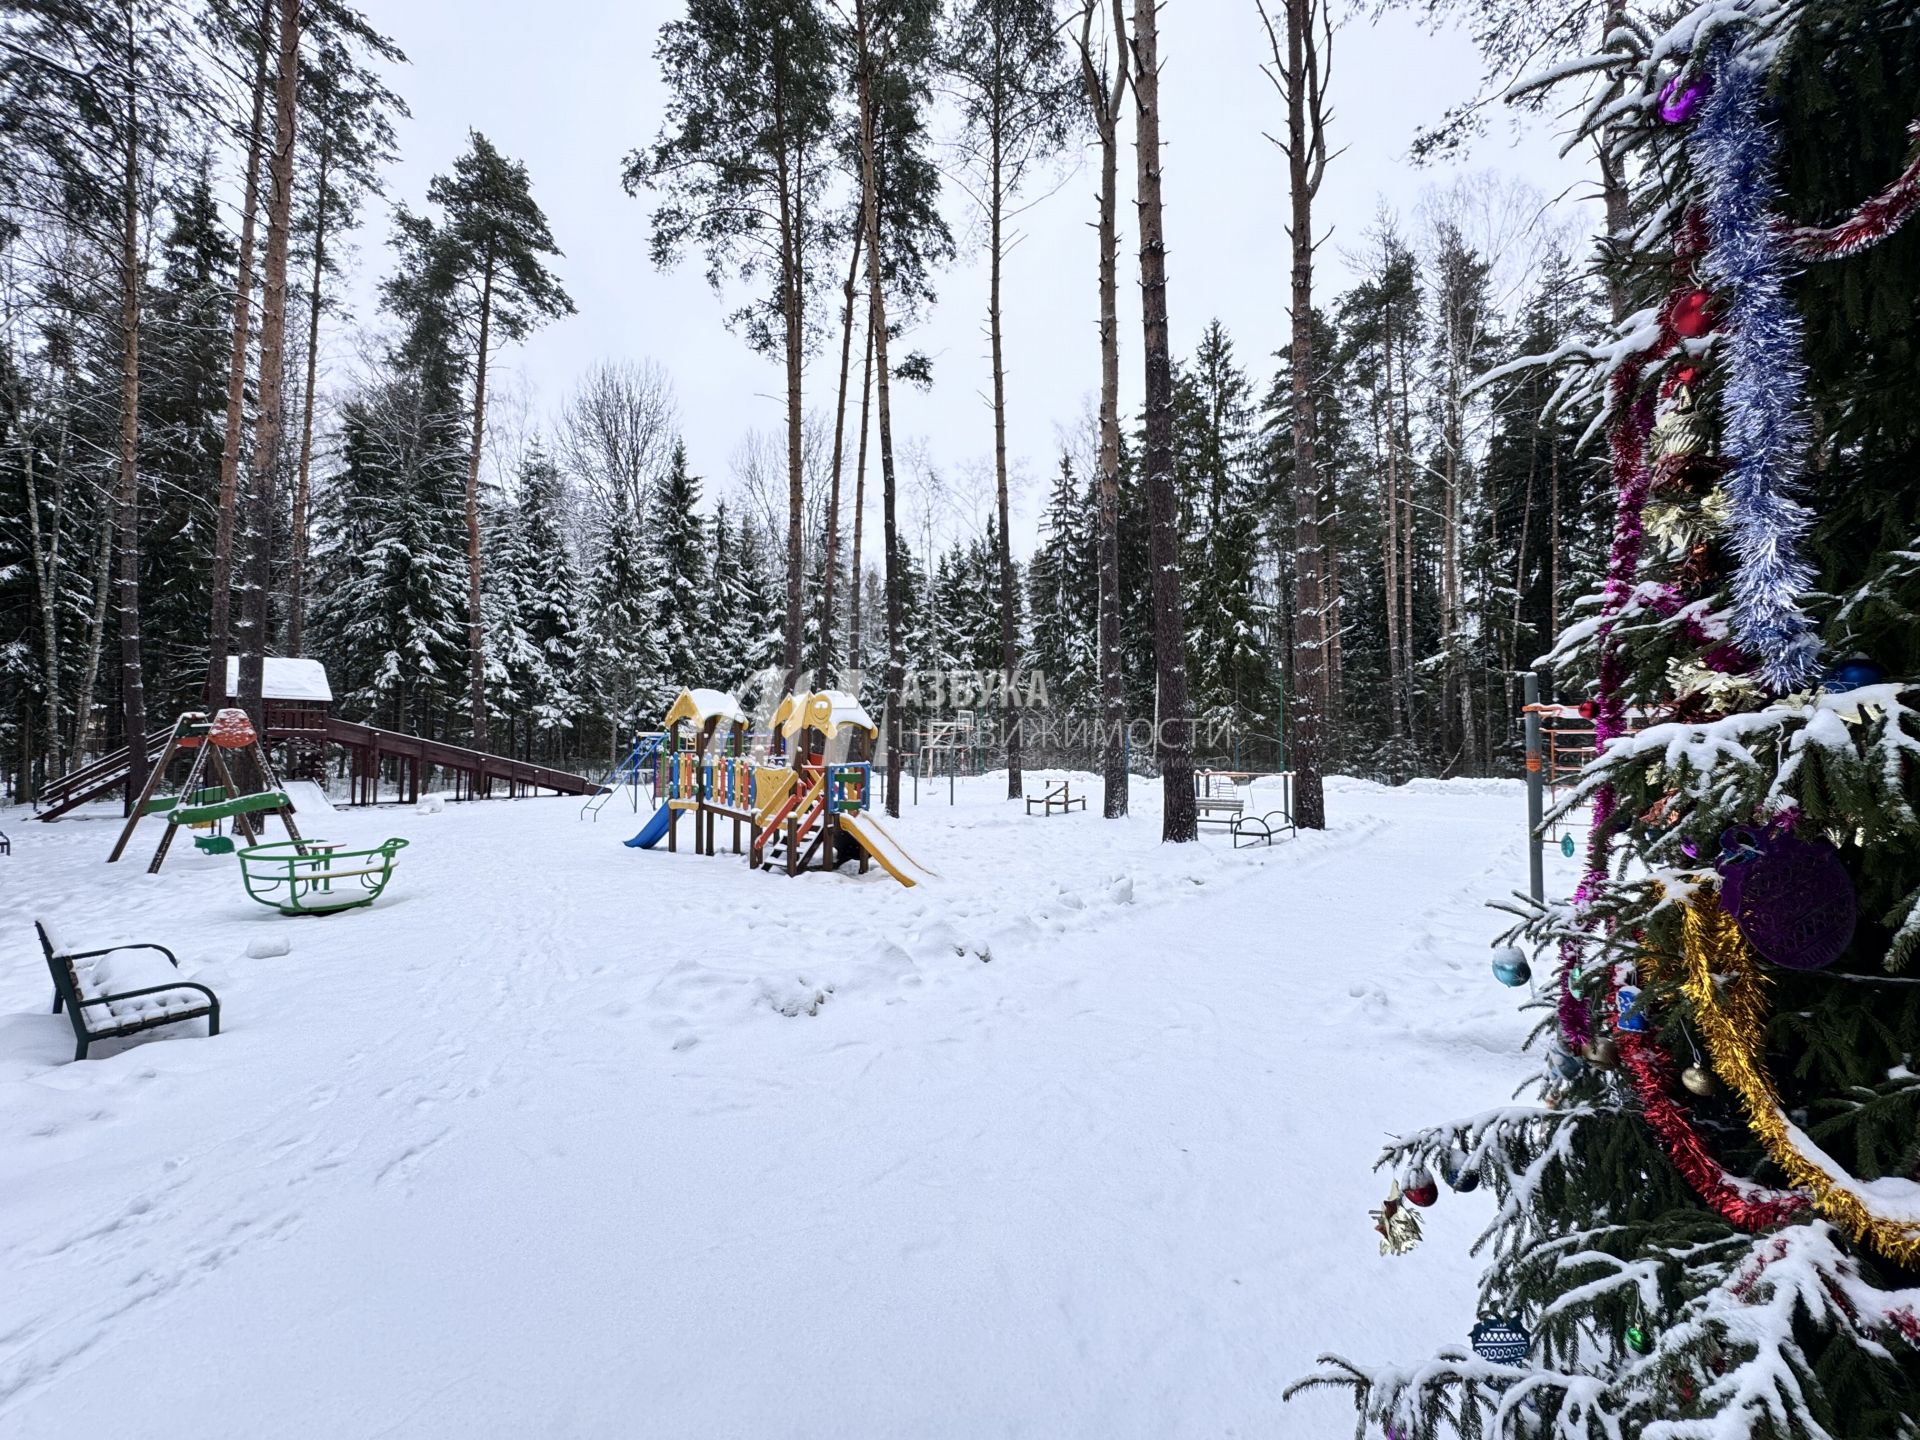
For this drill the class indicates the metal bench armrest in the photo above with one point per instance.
(96, 954)
(152, 990)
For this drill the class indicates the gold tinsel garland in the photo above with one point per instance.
(1727, 987)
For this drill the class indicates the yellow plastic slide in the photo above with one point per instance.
(886, 851)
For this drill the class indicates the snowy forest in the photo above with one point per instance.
(190, 186)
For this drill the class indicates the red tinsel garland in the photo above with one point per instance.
(1750, 1206)
(1869, 225)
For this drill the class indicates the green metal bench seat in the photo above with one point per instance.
(121, 990)
(298, 877)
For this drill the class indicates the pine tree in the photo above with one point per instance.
(476, 278)
(740, 166)
(1016, 94)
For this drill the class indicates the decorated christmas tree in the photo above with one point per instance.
(1708, 1217)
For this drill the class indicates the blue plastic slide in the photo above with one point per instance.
(653, 831)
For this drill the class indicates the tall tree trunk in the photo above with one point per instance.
(856, 639)
(103, 586)
(791, 282)
(1409, 551)
(1386, 460)
(1298, 72)
(1105, 100)
(1310, 807)
(44, 555)
(996, 256)
(220, 610)
(1173, 730)
(297, 560)
(261, 502)
(839, 454)
(133, 695)
(877, 325)
(1553, 549)
(476, 619)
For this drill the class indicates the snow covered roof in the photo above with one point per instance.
(828, 711)
(288, 677)
(701, 706)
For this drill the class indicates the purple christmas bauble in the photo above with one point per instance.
(1792, 898)
(1678, 101)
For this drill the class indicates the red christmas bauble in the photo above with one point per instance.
(1693, 314)
(1421, 1190)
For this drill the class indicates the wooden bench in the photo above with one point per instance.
(121, 990)
(1059, 799)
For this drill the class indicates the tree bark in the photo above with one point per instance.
(476, 619)
(133, 695)
(220, 614)
(44, 554)
(791, 306)
(1386, 452)
(1105, 100)
(996, 256)
(877, 327)
(856, 639)
(297, 559)
(1173, 728)
(261, 504)
(1309, 800)
(839, 454)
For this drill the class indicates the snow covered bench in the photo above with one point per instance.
(122, 990)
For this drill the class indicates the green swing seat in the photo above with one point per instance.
(224, 808)
(298, 877)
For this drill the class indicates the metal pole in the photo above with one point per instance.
(1536, 879)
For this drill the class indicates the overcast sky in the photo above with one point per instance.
(570, 86)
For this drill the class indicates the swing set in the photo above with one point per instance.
(296, 876)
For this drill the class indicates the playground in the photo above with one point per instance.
(658, 1133)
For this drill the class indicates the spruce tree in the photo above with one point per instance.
(1707, 1226)
(676, 536)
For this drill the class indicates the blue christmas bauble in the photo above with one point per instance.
(1565, 1064)
(1631, 1016)
(1510, 966)
(1501, 1342)
(1854, 673)
(1458, 1176)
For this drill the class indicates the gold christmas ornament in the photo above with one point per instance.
(1397, 1223)
(1681, 430)
(1699, 1080)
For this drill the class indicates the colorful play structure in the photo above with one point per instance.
(296, 876)
(806, 804)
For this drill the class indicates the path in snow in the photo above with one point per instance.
(568, 1139)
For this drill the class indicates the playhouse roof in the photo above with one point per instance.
(701, 706)
(287, 677)
(828, 711)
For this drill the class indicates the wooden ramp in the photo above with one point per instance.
(477, 773)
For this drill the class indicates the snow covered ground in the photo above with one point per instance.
(566, 1139)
